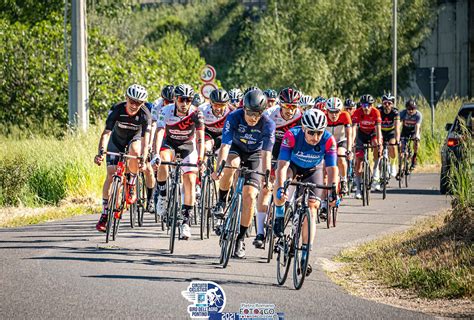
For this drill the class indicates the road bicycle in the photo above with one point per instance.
(366, 176)
(173, 211)
(137, 209)
(229, 227)
(290, 246)
(117, 199)
(208, 198)
(404, 162)
(384, 164)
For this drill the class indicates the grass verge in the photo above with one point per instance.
(17, 217)
(428, 262)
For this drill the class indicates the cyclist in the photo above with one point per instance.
(366, 121)
(306, 102)
(128, 124)
(390, 130)
(286, 115)
(247, 139)
(304, 153)
(349, 106)
(271, 97)
(184, 128)
(235, 96)
(320, 104)
(339, 125)
(411, 119)
(215, 114)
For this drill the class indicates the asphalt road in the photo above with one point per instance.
(64, 269)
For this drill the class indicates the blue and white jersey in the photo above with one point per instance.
(247, 138)
(294, 148)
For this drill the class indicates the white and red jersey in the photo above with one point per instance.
(212, 123)
(179, 130)
(282, 125)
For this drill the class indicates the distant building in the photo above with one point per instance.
(451, 45)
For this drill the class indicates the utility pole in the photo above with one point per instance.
(394, 48)
(78, 80)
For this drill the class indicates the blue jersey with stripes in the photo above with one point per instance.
(247, 138)
(294, 148)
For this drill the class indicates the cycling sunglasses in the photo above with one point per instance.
(254, 114)
(366, 105)
(314, 132)
(289, 106)
(136, 102)
(234, 100)
(185, 99)
(219, 105)
(334, 112)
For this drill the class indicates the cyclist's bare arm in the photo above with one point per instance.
(397, 130)
(417, 130)
(152, 135)
(349, 137)
(266, 161)
(354, 132)
(333, 174)
(378, 132)
(201, 145)
(145, 139)
(223, 153)
(104, 139)
(280, 174)
(158, 140)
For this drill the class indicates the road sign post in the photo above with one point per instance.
(432, 82)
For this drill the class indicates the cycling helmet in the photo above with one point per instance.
(235, 94)
(250, 89)
(410, 104)
(289, 95)
(167, 92)
(184, 90)
(314, 119)
(349, 103)
(255, 100)
(334, 104)
(219, 96)
(306, 102)
(321, 105)
(319, 99)
(270, 94)
(388, 97)
(197, 100)
(367, 98)
(137, 92)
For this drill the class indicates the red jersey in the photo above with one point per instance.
(367, 122)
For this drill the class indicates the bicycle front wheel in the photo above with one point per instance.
(231, 233)
(301, 259)
(203, 205)
(173, 216)
(384, 179)
(367, 179)
(269, 236)
(111, 209)
(284, 249)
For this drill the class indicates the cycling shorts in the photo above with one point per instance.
(217, 140)
(249, 160)
(314, 175)
(186, 151)
(112, 160)
(342, 144)
(388, 135)
(364, 138)
(408, 133)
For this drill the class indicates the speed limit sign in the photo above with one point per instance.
(208, 73)
(207, 88)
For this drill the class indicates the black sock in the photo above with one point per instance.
(149, 193)
(243, 231)
(186, 211)
(162, 187)
(223, 195)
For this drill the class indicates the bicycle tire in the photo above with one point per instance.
(211, 202)
(202, 205)
(384, 178)
(284, 249)
(334, 215)
(235, 213)
(363, 186)
(367, 183)
(110, 210)
(401, 169)
(132, 212)
(142, 192)
(269, 236)
(173, 217)
(407, 170)
(300, 268)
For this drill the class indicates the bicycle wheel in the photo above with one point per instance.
(120, 207)
(210, 203)
(283, 249)
(203, 205)
(407, 169)
(132, 211)
(143, 200)
(232, 233)
(401, 169)
(301, 258)
(367, 183)
(363, 185)
(328, 214)
(384, 179)
(173, 216)
(111, 209)
(269, 236)
(334, 215)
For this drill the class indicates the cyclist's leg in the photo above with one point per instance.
(416, 146)
(189, 154)
(359, 154)
(342, 164)
(166, 154)
(392, 153)
(225, 182)
(375, 170)
(149, 175)
(314, 201)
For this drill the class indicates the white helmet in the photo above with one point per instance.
(306, 102)
(314, 119)
(137, 92)
(334, 104)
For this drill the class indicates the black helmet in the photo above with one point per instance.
(410, 104)
(184, 90)
(255, 100)
(290, 95)
(270, 94)
(219, 96)
(250, 89)
(367, 98)
(167, 92)
(349, 103)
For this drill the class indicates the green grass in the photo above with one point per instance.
(427, 259)
(45, 170)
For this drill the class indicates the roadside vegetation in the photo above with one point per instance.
(433, 259)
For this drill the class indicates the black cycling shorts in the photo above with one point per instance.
(364, 138)
(217, 140)
(314, 175)
(408, 133)
(112, 160)
(249, 160)
(342, 144)
(388, 135)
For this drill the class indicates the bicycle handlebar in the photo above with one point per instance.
(121, 154)
(178, 164)
(290, 182)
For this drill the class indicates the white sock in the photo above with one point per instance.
(260, 222)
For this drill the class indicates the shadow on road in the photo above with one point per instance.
(413, 191)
